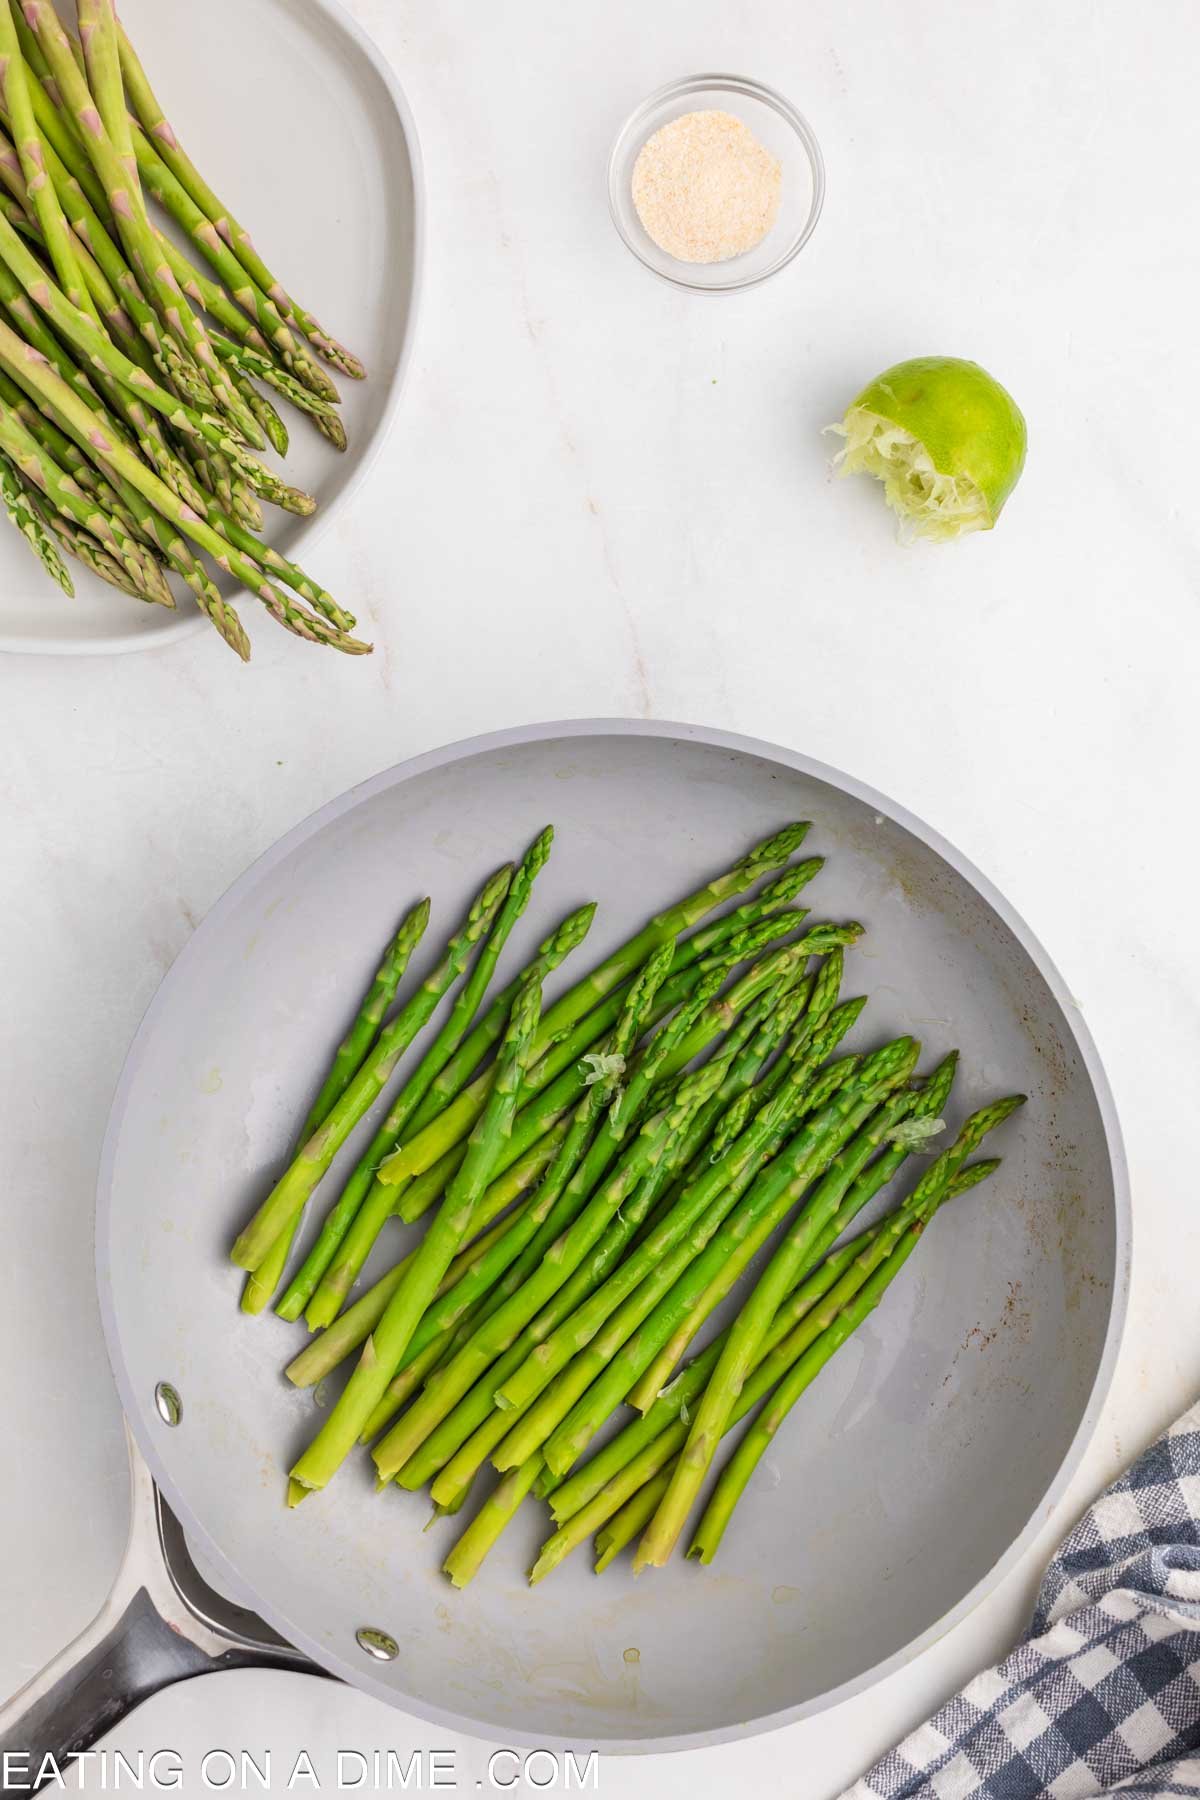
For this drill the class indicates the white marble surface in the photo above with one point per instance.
(608, 497)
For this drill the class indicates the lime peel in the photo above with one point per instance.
(603, 1066)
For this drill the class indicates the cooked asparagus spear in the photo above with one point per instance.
(559, 1077)
(261, 1283)
(728, 1378)
(469, 1434)
(576, 1490)
(839, 1278)
(552, 1209)
(589, 1217)
(387, 1343)
(450, 1126)
(835, 1184)
(626, 1501)
(287, 1198)
(350, 1215)
(768, 1202)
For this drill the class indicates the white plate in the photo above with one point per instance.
(306, 134)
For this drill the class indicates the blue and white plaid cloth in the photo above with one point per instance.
(1103, 1696)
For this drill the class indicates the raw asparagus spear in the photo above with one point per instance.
(271, 562)
(151, 115)
(120, 501)
(18, 106)
(19, 219)
(63, 449)
(102, 67)
(267, 330)
(131, 509)
(269, 421)
(105, 300)
(86, 285)
(22, 510)
(114, 290)
(135, 429)
(127, 209)
(83, 202)
(86, 550)
(89, 341)
(110, 452)
(65, 495)
(256, 366)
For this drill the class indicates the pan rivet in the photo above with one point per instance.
(170, 1406)
(379, 1644)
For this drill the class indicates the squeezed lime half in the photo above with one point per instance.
(946, 440)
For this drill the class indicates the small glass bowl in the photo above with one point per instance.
(777, 125)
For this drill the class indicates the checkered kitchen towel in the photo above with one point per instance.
(1103, 1696)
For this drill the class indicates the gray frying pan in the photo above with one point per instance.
(908, 1480)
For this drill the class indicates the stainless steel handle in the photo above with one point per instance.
(162, 1623)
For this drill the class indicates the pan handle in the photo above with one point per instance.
(162, 1623)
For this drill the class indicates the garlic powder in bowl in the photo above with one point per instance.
(715, 182)
(704, 187)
